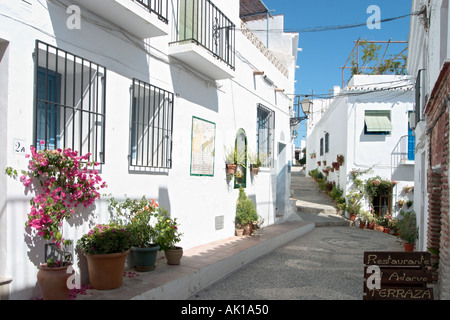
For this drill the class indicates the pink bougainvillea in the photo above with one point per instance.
(63, 182)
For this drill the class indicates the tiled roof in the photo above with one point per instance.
(252, 10)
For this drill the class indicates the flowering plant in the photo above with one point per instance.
(137, 216)
(387, 221)
(105, 239)
(65, 182)
(168, 233)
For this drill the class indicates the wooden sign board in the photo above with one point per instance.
(397, 259)
(399, 293)
(402, 275)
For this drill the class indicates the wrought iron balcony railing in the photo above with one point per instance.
(159, 7)
(201, 22)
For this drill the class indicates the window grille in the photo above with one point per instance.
(69, 102)
(265, 132)
(151, 126)
(321, 146)
(327, 142)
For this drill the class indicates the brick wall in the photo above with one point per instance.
(437, 179)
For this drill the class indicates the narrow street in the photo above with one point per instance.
(325, 264)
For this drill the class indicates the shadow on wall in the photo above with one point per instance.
(121, 56)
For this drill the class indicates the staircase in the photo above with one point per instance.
(311, 204)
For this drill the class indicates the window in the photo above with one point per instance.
(264, 134)
(327, 142)
(321, 146)
(151, 126)
(377, 122)
(69, 102)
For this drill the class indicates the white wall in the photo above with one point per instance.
(195, 201)
(344, 121)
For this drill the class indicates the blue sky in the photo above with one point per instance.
(325, 52)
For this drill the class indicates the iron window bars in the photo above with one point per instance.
(201, 22)
(70, 95)
(151, 126)
(159, 7)
(265, 134)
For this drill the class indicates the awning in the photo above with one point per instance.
(378, 122)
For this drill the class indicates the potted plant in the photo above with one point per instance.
(245, 212)
(400, 203)
(168, 236)
(409, 203)
(256, 161)
(340, 159)
(136, 215)
(231, 160)
(407, 230)
(62, 182)
(106, 247)
(353, 206)
(364, 218)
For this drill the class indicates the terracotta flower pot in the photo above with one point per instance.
(106, 270)
(53, 282)
(352, 217)
(409, 247)
(231, 168)
(386, 230)
(248, 230)
(370, 225)
(239, 232)
(173, 256)
(379, 228)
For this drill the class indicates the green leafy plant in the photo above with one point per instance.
(105, 239)
(407, 228)
(257, 159)
(136, 215)
(168, 234)
(245, 209)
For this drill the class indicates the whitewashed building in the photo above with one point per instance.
(368, 123)
(429, 64)
(99, 65)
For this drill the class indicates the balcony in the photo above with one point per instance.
(403, 153)
(142, 18)
(204, 39)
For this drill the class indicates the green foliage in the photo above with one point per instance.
(407, 228)
(168, 234)
(245, 210)
(372, 64)
(376, 186)
(105, 239)
(136, 215)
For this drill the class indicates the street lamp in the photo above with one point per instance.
(306, 104)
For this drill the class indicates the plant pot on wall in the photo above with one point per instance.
(409, 247)
(239, 232)
(106, 270)
(145, 258)
(173, 256)
(53, 282)
(231, 168)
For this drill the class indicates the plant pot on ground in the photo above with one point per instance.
(52, 182)
(407, 229)
(137, 216)
(168, 235)
(246, 213)
(52, 279)
(105, 247)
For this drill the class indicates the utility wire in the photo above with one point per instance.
(338, 27)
